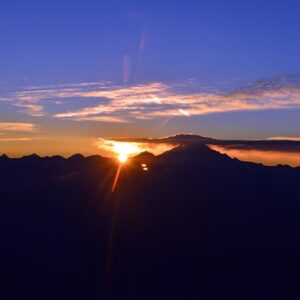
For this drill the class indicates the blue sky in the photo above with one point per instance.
(88, 69)
(73, 41)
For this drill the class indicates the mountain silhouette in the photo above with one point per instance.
(197, 225)
(144, 157)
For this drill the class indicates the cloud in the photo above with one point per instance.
(154, 100)
(266, 157)
(284, 138)
(31, 109)
(19, 139)
(18, 127)
(104, 119)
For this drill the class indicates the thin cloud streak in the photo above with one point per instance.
(19, 127)
(104, 119)
(284, 138)
(20, 139)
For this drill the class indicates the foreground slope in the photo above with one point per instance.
(197, 224)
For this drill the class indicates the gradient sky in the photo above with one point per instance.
(73, 71)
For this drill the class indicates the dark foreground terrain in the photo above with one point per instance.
(197, 225)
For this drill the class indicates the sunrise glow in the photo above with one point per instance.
(124, 150)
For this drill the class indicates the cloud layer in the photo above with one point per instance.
(266, 157)
(121, 104)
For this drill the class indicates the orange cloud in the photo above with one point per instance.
(284, 138)
(266, 157)
(20, 139)
(18, 127)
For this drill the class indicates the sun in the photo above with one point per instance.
(122, 158)
(124, 150)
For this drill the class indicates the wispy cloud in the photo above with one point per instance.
(107, 119)
(19, 139)
(18, 127)
(284, 138)
(31, 109)
(155, 100)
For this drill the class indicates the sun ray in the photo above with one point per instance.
(116, 179)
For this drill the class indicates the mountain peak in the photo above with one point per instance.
(33, 156)
(185, 136)
(77, 156)
(188, 138)
(144, 156)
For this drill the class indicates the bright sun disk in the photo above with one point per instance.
(122, 157)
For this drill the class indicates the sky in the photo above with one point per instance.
(75, 71)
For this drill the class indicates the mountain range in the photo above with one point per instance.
(196, 225)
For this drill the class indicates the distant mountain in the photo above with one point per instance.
(188, 138)
(173, 138)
